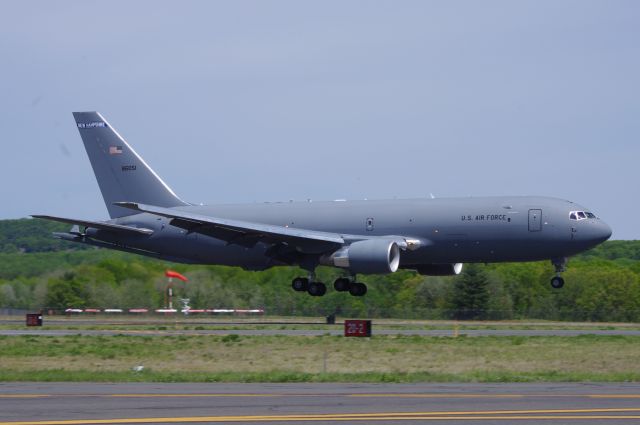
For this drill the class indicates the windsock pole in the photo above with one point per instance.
(170, 274)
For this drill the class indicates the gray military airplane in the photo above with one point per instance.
(430, 236)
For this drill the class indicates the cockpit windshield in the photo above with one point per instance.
(581, 215)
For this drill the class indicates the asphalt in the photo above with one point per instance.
(90, 403)
(318, 332)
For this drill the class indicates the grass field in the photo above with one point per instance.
(323, 358)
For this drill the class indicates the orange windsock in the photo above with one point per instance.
(171, 273)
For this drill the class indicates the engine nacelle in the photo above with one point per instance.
(440, 269)
(371, 256)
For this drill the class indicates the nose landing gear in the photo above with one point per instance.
(560, 265)
(557, 282)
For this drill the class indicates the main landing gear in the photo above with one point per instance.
(303, 284)
(560, 265)
(318, 289)
(344, 284)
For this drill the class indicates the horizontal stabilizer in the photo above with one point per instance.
(243, 232)
(110, 227)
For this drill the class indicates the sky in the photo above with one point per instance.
(252, 101)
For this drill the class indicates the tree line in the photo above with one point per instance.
(602, 284)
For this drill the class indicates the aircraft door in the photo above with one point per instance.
(369, 224)
(535, 220)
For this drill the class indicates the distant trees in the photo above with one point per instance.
(469, 298)
(65, 291)
(602, 284)
(604, 293)
(31, 235)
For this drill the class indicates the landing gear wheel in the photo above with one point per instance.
(357, 289)
(341, 284)
(300, 284)
(317, 289)
(557, 282)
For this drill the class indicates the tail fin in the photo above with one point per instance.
(121, 173)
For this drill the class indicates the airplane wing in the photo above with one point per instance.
(116, 228)
(244, 233)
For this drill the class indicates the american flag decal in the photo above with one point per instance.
(115, 150)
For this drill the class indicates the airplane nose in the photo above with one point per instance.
(592, 233)
(602, 232)
(606, 231)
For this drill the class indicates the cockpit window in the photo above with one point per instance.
(581, 215)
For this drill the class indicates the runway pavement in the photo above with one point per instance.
(89, 403)
(317, 332)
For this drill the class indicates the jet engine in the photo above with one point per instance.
(371, 256)
(440, 269)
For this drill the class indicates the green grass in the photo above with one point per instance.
(236, 358)
(61, 375)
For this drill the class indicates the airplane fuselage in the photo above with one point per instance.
(450, 230)
(431, 236)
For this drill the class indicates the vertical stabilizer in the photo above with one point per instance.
(122, 174)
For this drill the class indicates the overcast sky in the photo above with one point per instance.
(245, 101)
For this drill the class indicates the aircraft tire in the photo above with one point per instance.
(300, 284)
(557, 282)
(357, 289)
(341, 284)
(317, 289)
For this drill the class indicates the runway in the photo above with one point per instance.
(72, 403)
(319, 332)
